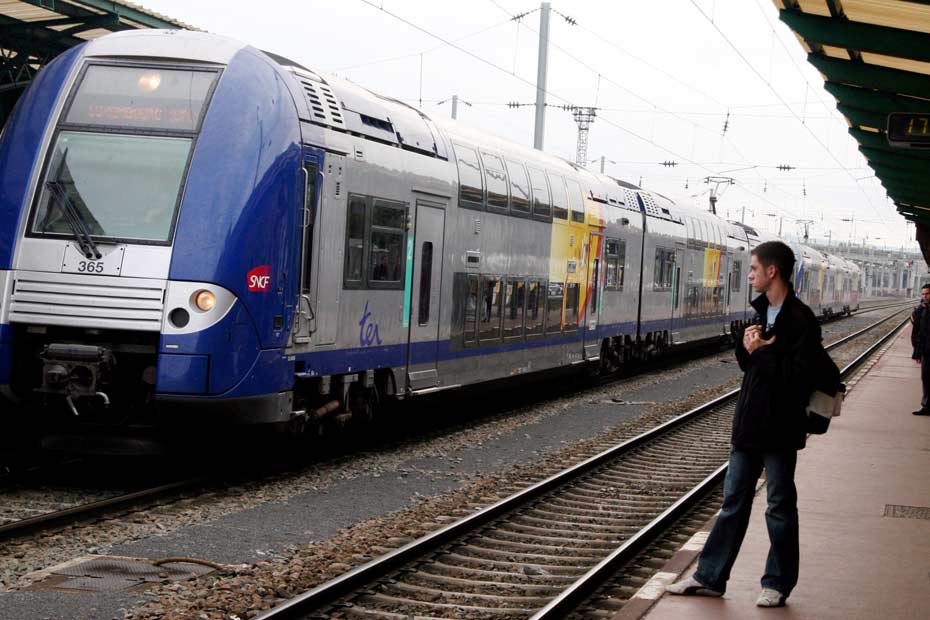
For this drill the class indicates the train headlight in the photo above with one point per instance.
(204, 300)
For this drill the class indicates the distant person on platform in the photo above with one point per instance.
(776, 355)
(920, 338)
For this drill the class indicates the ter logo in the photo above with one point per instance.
(259, 278)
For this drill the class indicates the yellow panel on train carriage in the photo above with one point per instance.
(572, 253)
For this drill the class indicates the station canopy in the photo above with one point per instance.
(874, 56)
(33, 32)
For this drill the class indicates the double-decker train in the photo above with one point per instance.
(196, 231)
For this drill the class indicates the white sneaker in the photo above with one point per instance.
(691, 587)
(770, 598)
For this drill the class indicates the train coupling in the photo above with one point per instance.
(76, 371)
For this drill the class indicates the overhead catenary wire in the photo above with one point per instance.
(604, 118)
(789, 108)
(497, 67)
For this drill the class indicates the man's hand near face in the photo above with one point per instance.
(752, 338)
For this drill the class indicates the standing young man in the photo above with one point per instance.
(768, 430)
(920, 338)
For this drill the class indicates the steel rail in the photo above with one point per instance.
(906, 302)
(84, 512)
(330, 591)
(570, 598)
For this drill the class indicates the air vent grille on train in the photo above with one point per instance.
(324, 108)
(101, 302)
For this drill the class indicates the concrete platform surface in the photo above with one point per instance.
(862, 555)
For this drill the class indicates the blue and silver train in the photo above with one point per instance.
(194, 230)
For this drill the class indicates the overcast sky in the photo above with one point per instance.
(664, 74)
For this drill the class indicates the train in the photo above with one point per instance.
(195, 231)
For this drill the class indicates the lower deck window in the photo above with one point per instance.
(554, 308)
(489, 325)
(535, 304)
(572, 303)
(514, 303)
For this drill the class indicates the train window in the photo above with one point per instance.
(514, 303)
(426, 282)
(495, 180)
(576, 197)
(541, 200)
(554, 308)
(471, 189)
(95, 174)
(141, 98)
(572, 303)
(355, 243)
(489, 325)
(616, 258)
(559, 197)
(519, 188)
(471, 310)
(386, 253)
(664, 268)
(737, 275)
(535, 304)
(595, 285)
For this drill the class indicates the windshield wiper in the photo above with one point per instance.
(72, 214)
(74, 219)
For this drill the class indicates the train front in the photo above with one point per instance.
(149, 187)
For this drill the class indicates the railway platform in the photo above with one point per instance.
(864, 505)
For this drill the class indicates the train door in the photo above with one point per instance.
(423, 299)
(676, 295)
(322, 223)
(304, 316)
(595, 290)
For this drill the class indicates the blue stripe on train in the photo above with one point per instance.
(392, 356)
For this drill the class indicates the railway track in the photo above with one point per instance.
(26, 511)
(70, 511)
(542, 551)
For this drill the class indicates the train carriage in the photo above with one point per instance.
(197, 231)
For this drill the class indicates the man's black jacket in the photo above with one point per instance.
(779, 379)
(920, 334)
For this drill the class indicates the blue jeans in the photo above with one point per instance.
(781, 517)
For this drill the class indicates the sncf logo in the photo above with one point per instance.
(259, 278)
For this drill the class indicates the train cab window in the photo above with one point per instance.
(489, 309)
(576, 197)
(471, 188)
(535, 307)
(426, 282)
(514, 303)
(386, 260)
(559, 197)
(554, 307)
(542, 203)
(355, 243)
(572, 305)
(519, 188)
(495, 179)
(615, 255)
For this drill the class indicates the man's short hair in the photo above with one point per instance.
(778, 254)
(925, 286)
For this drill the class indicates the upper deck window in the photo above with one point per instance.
(495, 180)
(149, 98)
(471, 188)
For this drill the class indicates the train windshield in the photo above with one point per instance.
(116, 168)
(121, 187)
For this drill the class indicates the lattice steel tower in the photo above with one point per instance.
(584, 117)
